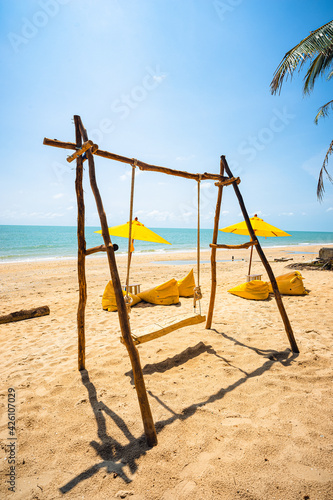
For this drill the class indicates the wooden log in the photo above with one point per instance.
(142, 165)
(233, 247)
(262, 256)
(80, 151)
(100, 248)
(81, 265)
(228, 182)
(121, 307)
(213, 252)
(25, 314)
(59, 144)
(157, 330)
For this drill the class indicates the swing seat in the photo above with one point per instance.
(160, 329)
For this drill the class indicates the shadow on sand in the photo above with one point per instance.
(115, 456)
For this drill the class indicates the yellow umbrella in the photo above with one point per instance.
(139, 232)
(260, 228)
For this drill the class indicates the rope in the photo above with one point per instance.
(128, 299)
(197, 289)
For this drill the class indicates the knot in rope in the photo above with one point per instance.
(128, 301)
(197, 293)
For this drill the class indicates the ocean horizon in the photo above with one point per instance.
(37, 243)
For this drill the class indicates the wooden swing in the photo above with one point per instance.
(157, 330)
(83, 146)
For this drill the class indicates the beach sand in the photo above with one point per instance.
(238, 415)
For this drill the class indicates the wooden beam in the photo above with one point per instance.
(81, 263)
(79, 152)
(25, 314)
(213, 252)
(59, 144)
(228, 182)
(142, 165)
(100, 248)
(233, 247)
(262, 256)
(158, 330)
(121, 306)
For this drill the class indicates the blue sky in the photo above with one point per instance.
(173, 83)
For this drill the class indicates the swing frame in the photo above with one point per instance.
(83, 145)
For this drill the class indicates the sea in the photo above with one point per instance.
(37, 243)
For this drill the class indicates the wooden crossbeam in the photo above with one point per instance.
(233, 247)
(142, 165)
(228, 182)
(79, 152)
(157, 330)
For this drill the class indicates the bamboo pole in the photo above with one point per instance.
(81, 264)
(213, 252)
(121, 307)
(142, 165)
(268, 268)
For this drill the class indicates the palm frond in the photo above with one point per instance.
(323, 111)
(317, 67)
(318, 42)
(320, 186)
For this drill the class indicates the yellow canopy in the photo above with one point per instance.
(260, 228)
(139, 232)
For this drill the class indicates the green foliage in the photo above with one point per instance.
(317, 50)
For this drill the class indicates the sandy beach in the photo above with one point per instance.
(238, 415)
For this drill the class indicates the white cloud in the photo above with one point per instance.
(57, 196)
(185, 158)
(329, 209)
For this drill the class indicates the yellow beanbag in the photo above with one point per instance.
(290, 284)
(164, 294)
(256, 289)
(186, 285)
(109, 298)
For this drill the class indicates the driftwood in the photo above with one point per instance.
(25, 314)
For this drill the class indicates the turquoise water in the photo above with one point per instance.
(30, 243)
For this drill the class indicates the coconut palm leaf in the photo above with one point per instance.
(323, 111)
(320, 186)
(317, 47)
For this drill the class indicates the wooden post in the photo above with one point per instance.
(121, 306)
(81, 252)
(262, 256)
(213, 252)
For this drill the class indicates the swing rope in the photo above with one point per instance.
(128, 299)
(197, 289)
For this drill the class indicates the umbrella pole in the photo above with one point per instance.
(250, 260)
